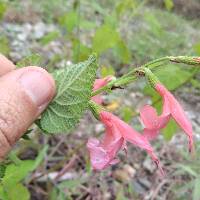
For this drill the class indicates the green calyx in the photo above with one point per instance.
(152, 78)
(95, 109)
(186, 60)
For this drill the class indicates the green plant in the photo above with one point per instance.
(190, 168)
(11, 186)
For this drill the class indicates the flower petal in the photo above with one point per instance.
(177, 112)
(151, 134)
(149, 117)
(97, 99)
(97, 85)
(151, 120)
(98, 156)
(103, 154)
(129, 134)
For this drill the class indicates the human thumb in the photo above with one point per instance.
(24, 94)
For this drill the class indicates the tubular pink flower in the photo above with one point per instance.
(153, 123)
(171, 108)
(103, 154)
(97, 85)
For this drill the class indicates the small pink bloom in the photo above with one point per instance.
(97, 85)
(153, 123)
(171, 108)
(103, 154)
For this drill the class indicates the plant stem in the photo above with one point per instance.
(149, 64)
(132, 75)
(122, 81)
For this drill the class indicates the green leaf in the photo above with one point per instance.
(127, 113)
(3, 194)
(154, 24)
(106, 71)
(196, 191)
(2, 9)
(125, 5)
(87, 25)
(104, 38)
(195, 83)
(80, 51)
(170, 129)
(49, 37)
(123, 51)
(169, 4)
(31, 60)
(173, 76)
(4, 47)
(196, 48)
(69, 21)
(18, 192)
(74, 86)
(15, 173)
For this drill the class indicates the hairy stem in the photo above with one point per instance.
(140, 71)
(121, 81)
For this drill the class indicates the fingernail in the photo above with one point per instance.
(38, 85)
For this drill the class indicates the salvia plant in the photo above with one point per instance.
(79, 90)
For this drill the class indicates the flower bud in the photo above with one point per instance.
(152, 78)
(186, 60)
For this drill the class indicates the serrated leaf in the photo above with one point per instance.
(74, 87)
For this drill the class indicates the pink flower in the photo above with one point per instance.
(171, 108)
(103, 154)
(153, 123)
(97, 85)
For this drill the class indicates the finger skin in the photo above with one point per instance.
(5, 65)
(18, 108)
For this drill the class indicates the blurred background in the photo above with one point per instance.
(125, 34)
